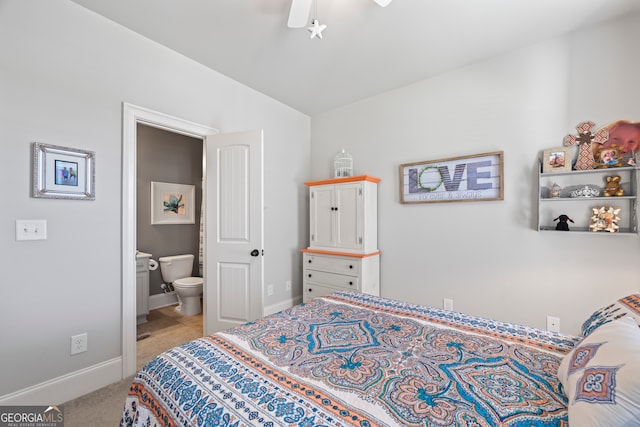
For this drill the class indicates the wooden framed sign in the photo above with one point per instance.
(456, 179)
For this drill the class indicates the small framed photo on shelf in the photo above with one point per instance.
(608, 157)
(63, 173)
(556, 160)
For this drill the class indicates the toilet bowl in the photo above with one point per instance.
(177, 271)
(188, 290)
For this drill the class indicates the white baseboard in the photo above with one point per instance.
(67, 387)
(283, 305)
(170, 298)
(162, 300)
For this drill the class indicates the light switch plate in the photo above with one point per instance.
(31, 229)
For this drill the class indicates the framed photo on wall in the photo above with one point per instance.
(63, 173)
(556, 160)
(172, 203)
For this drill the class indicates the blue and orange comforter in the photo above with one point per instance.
(352, 359)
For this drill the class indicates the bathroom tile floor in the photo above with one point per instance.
(166, 329)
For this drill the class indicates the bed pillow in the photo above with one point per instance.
(601, 376)
(627, 306)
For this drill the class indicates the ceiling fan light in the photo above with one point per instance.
(383, 3)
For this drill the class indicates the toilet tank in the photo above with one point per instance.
(176, 267)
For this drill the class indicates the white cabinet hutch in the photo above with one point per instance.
(343, 237)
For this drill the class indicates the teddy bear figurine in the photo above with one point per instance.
(613, 187)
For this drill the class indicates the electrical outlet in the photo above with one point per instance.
(79, 343)
(287, 285)
(553, 324)
(269, 290)
(447, 303)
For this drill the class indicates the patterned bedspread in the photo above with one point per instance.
(351, 359)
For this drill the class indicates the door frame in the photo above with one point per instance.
(133, 115)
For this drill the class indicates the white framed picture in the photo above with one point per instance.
(172, 203)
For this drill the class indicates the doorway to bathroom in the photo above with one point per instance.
(234, 207)
(172, 160)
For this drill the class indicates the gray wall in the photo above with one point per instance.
(163, 156)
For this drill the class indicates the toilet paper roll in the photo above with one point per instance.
(153, 264)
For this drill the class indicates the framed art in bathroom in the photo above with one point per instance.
(63, 173)
(172, 203)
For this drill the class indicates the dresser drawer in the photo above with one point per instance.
(331, 279)
(334, 264)
(312, 291)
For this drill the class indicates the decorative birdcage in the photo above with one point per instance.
(343, 164)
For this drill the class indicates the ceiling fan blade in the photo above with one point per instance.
(383, 3)
(299, 14)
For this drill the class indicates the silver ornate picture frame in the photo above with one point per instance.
(63, 173)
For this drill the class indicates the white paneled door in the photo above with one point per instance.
(234, 229)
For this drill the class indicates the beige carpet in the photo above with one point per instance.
(103, 408)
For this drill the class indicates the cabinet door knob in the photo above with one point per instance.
(309, 261)
(309, 274)
(310, 290)
(350, 283)
(350, 266)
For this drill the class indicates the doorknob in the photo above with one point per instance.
(255, 252)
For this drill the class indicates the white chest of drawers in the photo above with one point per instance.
(327, 273)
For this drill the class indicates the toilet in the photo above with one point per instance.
(177, 271)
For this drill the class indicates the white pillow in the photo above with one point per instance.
(601, 376)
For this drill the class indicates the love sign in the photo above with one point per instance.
(457, 179)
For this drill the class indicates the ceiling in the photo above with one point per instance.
(365, 50)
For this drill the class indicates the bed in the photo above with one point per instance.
(351, 359)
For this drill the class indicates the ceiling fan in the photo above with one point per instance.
(299, 13)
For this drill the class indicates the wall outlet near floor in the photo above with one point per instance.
(269, 290)
(447, 303)
(79, 343)
(553, 324)
(287, 285)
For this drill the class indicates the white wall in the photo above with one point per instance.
(487, 256)
(64, 74)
